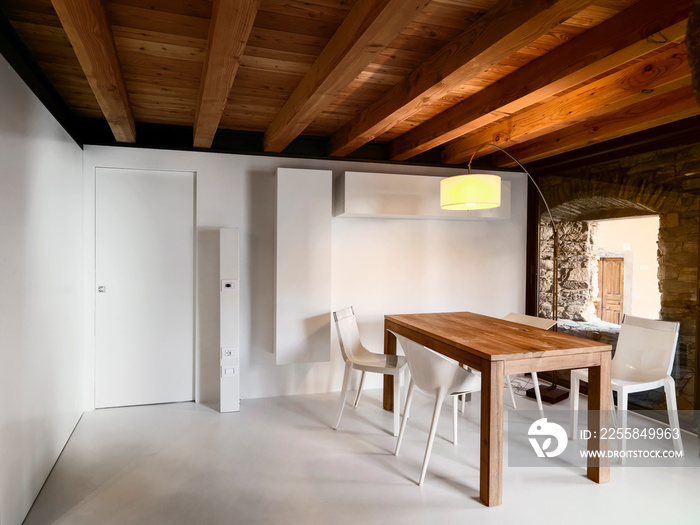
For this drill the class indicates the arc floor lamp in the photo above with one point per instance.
(482, 191)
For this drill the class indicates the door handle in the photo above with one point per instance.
(101, 289)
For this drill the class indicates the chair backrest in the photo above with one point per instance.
(645, 349)
(348, 334)
(430, 371)
(529, 320)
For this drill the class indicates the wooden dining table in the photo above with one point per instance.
(498, 348)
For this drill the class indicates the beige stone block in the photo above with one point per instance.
(689, 275)
(690, 246)
(580, 274)
(676, 287)
(667, 271)
(669, 220)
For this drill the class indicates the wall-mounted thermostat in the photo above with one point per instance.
(229, 285)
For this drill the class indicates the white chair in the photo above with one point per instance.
(437, 375)
(535, 322)
(357, 357)
(643, 361)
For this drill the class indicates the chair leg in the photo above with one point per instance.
(672, 406)
(622, 409)
(455, 400)
(359, 390)
(613, 413)
(464, 402)
(343, 393)
(407, 377)
(439, 399)
(573, 403)
(397, 403)
(510, 391)
(409, 398)
(536, 383)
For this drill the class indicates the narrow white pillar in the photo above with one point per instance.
(229, 319)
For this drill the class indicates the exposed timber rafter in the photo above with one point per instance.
(229, 29)
(670, 107)
(370, 26)
(641, 28)
(89, 31)
(642, 80)
(501, 31)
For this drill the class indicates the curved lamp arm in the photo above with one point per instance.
(555, 278)
(469, 167)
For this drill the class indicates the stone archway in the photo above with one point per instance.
(576, 224)
(575, 202)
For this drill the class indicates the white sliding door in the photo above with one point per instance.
(144, 319)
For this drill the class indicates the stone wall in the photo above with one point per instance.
(577, 270)
(666, 183)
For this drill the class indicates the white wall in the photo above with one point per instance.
(379, 265)
(636, 239)
(41, 255)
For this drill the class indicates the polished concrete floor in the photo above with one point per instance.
(278, 462)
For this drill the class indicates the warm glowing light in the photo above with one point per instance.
(470, 192)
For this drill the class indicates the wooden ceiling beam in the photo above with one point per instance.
(90, 34)
(501, 31)
(684, 132)
(669, 107)
(229, 29)
(644, 79)
(632, 33)
(370, 26)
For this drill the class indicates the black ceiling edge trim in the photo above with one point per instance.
(172, 137)
(25, 65)
(680, 133)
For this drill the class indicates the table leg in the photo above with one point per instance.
(599, 392)
(389, 349)
(491, 463)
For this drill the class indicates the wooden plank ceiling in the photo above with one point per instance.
(538, 77)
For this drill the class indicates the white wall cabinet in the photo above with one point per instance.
(391, 196)
(303, 266)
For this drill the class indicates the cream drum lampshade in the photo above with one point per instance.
(470, 192)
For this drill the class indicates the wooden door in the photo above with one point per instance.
(611, 283)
